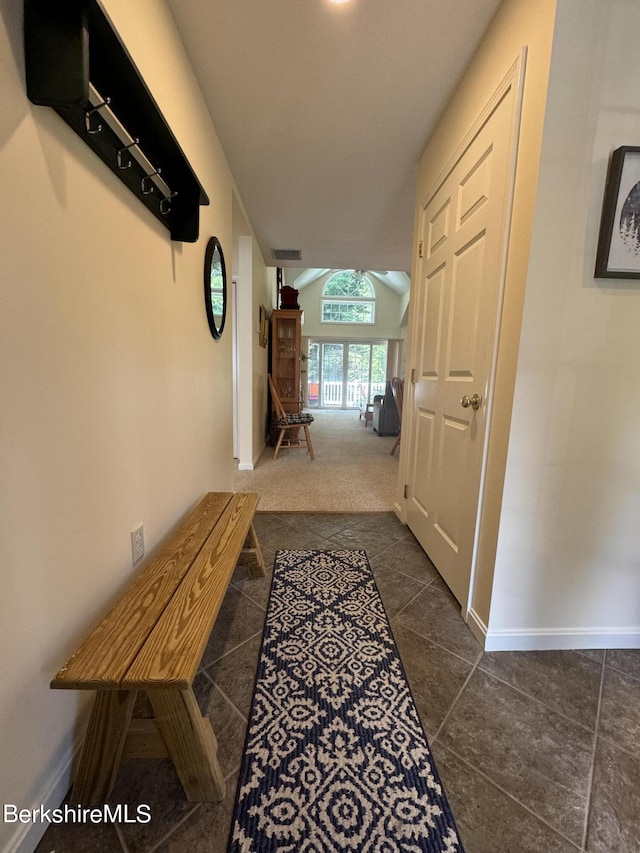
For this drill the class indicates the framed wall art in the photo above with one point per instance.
(618, 253)
(263, 329)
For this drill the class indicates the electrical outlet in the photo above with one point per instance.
(137, 544)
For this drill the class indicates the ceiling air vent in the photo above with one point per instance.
(287, 254)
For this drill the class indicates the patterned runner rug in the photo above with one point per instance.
(335, 758)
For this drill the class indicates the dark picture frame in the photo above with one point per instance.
(215, 287)
(264, 326)
(618, 254)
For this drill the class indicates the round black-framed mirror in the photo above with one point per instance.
(215, 286)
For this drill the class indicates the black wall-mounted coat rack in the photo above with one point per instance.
(77, 64)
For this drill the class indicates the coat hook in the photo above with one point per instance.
(146, 185)
(123, 157)
(165, 203)
(89, 113)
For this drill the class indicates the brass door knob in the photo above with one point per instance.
(474, 401)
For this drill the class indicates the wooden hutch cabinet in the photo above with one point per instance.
(286, 331)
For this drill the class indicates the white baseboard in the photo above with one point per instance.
(251, 466)
(27, 836)
(400, 511)
(553, 639)
(478, 628)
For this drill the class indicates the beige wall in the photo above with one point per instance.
(255, 287)
(518, 24)
(558, 555)
(567, 559)
(388, 314)
(116, 400)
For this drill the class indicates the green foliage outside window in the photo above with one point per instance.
(347, 312)
(353, 298)
(349, 283)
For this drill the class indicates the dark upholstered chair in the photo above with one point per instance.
(385, 414)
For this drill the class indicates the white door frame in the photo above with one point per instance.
(234, 351)
(243, 352)
(513, 79)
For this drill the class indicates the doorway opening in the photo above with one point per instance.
(345, 374)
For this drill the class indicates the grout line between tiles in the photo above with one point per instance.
(585, 828)
(402, 539)
(424, 583)
(388, 547)
(174, 828)
(121, 838)
(230, 701)
(453, 704)
(539, 701)
(440, 646)
(402, 609)
(623, 672)
(619, 747)
(252, 600)
(230, 651)
(512, 797)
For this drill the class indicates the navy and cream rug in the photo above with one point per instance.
(335, 758)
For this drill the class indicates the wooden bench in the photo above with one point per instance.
(153, 640)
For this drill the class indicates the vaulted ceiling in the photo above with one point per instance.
(323, 111)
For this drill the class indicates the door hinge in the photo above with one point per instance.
(406, 491)
(421, 249)
(413, 375)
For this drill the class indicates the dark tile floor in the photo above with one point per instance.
(539, 752)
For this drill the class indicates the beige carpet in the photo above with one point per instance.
(353, 470)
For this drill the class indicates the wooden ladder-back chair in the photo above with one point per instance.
(289, 425)
(397, 388)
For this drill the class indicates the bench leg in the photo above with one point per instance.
(103, 745)
(190, 742)
(252, 547)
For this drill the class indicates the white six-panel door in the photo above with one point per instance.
(457, 295)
